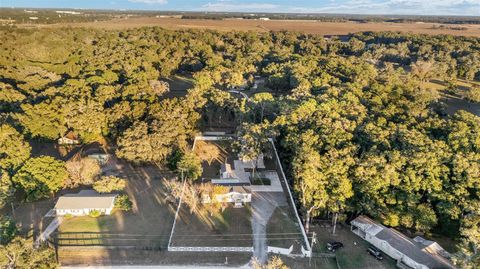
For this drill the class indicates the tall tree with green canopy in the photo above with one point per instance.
(190, 165)
(44, 120)
(14, 150)
(253, 141)
(41, 176)
(6, 188)
(20, 253)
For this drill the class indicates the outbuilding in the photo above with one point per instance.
(409, 253)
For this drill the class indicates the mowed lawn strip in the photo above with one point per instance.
(231, 228)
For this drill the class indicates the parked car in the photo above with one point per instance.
(332, 246)
(375, 253)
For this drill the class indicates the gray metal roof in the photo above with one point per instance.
(405, 245)
(85, 199)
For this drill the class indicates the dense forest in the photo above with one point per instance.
(359, 129)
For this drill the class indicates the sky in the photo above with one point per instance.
(404, 7)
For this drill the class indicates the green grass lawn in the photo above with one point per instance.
(88, 224)
(282, 230)
(354, 253)
(315, 263)
(232, 228)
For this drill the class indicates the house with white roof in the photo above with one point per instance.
(84, 202)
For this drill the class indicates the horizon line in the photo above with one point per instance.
(236, 12)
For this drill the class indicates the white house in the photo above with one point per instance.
(69, 138)
(238, 195)
(409, 254)
(82, 203)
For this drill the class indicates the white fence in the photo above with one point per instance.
(211, 249)
(209, 138)
(284, 251)
(225, 181)
(308, 251)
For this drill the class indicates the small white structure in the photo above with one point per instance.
(101, 158)
(226, 171)
(417, 254)
(82, 203)
(67, 12)
(69, 138)
(239, 195)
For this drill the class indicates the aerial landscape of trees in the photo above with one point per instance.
(359, 129)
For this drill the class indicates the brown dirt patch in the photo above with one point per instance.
(306, 26)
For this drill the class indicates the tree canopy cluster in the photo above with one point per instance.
(358, 129)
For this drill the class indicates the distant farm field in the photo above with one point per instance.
(306, 26)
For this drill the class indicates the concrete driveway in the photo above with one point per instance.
(49, 230)
(263, 206)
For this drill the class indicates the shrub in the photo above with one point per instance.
(94, 214)
(191, 166)
(261, 181)
(7, 230)
(473, 95)
(109, 184)
(68, 216)
(122, 202)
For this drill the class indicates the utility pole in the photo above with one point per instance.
(335, 223)
(13, 210)
(314, 240)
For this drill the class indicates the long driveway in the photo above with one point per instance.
(263, 206)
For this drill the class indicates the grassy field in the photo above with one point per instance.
(232, 228)
(282, 229)
(354, 253)
(212, 170)
(92, 256)
(148, 223)
(314, 263)
(455, 102)
(311, 27)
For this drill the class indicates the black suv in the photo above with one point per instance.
(375, 253)
(332, 246)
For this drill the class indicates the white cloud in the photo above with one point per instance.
(149, 1)
(413, 7)
(227, 5)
